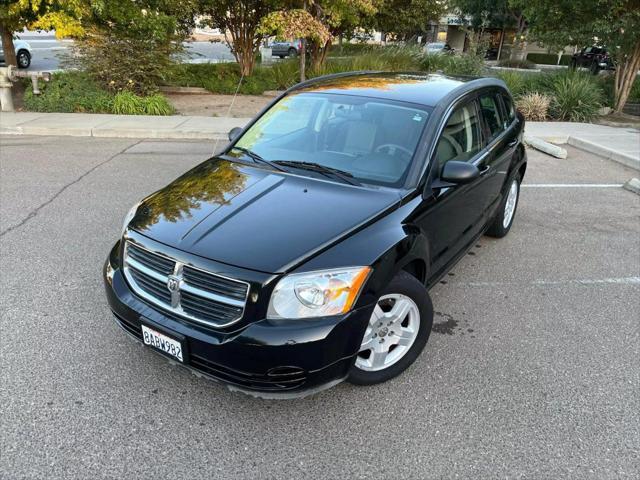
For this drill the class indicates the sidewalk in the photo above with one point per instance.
(619, 144)
(123, 126)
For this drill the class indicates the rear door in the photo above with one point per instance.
(495, 162)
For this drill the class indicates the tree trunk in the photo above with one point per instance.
(7, 46)
(244, 49)
(626, 72)
(303, 60)
(319, 54)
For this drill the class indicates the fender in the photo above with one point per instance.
(388, 246)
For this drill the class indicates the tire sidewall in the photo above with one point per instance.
(497, 228)
(405, 284)
(23, 54)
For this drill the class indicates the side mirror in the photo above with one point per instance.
(459, 172)
(234, 133)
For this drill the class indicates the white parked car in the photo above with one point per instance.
(438, 47)
(23, 53)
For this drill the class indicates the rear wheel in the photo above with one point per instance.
(507, 210)
(397, 332)
(24, 59)
(293, 52)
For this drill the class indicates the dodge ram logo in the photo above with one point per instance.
(173, 285)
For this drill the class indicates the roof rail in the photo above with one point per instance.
(331, 76)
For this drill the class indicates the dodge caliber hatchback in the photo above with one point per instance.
(302, 255)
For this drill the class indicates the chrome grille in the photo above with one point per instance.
(185, 290)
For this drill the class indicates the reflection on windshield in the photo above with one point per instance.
(210, 182)
(372, 139)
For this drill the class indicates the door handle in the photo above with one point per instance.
(513, 143)
(485, 169)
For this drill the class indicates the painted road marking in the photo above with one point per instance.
(572, 185)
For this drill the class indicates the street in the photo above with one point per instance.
(532, 369)
(48, 52)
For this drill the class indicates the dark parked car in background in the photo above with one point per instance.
(594, 58)
(303, 254)
(286, 48)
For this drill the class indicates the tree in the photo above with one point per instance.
(339, 17)
(502, 14)
(131, 44)
(297, 23)
(612, 23)
(239, 21)
(15, 15)
(407, 19)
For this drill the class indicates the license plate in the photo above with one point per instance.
(161, 342)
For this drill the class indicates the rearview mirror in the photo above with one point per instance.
(459, 172)
(234, 133)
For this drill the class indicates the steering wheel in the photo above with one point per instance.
(392, 147)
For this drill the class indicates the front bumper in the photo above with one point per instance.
(266, 358)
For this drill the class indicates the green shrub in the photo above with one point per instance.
(128, 103)
(515, 81)
(285, 74)
(577, 97)
(157, 105)
(548, 58)
(69, 92)
(464, 64)
(221, 78)
(523, 64)
(75, 91)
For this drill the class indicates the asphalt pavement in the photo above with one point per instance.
(533, 369)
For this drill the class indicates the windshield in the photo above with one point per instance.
(371, 139)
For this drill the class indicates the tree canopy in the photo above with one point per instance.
(612, 23)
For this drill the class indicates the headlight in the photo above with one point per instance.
(129, 217)
(317, 294)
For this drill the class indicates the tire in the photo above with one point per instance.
(293, 52)
(24, 59)
(415, 326)
(506, 211)
(594, 68)
(281, 56)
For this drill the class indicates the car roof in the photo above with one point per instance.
(420, 88)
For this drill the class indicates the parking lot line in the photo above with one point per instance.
(572, 185)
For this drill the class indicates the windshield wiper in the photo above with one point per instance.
(257, 158)
(346, 177)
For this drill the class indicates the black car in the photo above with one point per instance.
(594, 58)
(302, 255)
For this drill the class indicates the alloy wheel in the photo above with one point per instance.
(510, 204)
(392, 330)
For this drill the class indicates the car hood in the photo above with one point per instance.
(255, 218)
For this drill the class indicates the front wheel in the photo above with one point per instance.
(397, 332)
(293, 52)
(507, 210)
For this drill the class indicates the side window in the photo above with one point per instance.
(511, 111)
(460, 139)
(491, 113)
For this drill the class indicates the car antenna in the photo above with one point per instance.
(233, 100)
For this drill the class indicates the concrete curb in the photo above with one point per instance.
(609, 153)
(545, 147)
(119, 126)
